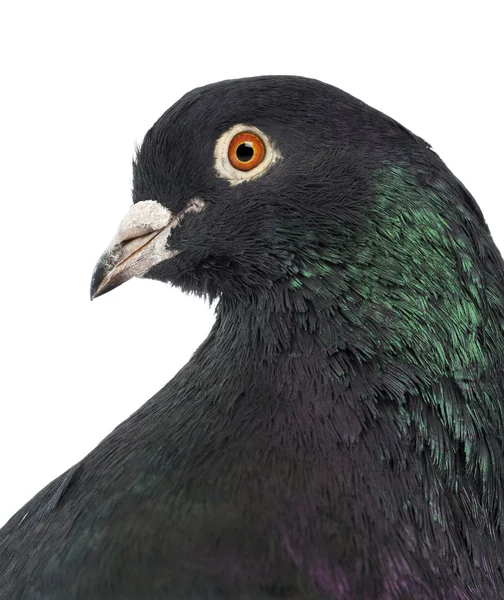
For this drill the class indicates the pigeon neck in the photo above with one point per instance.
(291, 336)
(271, 325)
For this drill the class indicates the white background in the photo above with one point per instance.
(82, 81)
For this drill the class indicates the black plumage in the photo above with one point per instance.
(339, 434)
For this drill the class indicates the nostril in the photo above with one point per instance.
(143, 218)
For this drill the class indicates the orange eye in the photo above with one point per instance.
(246, 151)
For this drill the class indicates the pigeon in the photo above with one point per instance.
(339, 434)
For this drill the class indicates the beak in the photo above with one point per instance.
(140, 243)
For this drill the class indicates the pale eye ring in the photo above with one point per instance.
(243, 152)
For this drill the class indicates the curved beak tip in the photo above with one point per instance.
(106, 276)
(97, 278)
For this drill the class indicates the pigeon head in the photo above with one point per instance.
(279, 185)
(254, 184)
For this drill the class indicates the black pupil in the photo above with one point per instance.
(245, 152)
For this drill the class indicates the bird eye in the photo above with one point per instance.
(246, 151)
